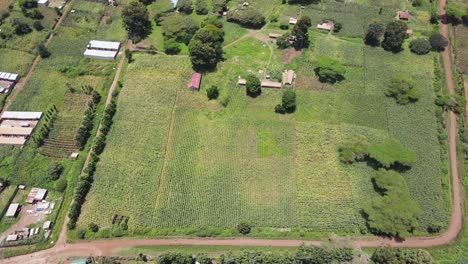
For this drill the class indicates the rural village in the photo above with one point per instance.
(233, 131)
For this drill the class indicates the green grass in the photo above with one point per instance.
(15, 61)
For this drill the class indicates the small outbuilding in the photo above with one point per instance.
(241, 81)
(47, 225)
(292, 21)
(12, 210)
(271, 84)
(409, 32)
(328, 26)
(74, 155)
(36, 194)
(195, 82)
(11, 238)
(288, 77)
(404, 15)
(274, 35)
(43, 2)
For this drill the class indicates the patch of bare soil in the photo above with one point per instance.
(311, 83)
(290, 54)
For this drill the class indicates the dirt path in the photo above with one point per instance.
(19, 86)
(109, 247)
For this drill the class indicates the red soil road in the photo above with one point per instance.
(19, 86)
(109, 247)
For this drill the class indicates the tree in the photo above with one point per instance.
(289, 101)
(201, 7)
(212, 20)
(402, 88)
(283, 41)
(438, 42)
(27, 4)
(253, 85)
(244, 228)
(395, 34)
(171, 47)
(250, 18)
(420, 46)
(178, 27)
(184, 6)
(135, 21)
(455, 12)
(212, 92)
(387, 255)
(354, 150)
(205, 49)
(20, 26)
(329, 70)
(43, 51)
(394, 214)
(374, 34)
(300, 33)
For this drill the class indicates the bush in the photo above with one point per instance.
(253, 86)
(244, 228)
(337, 27)
(402, 89)
(283, 41)
(80, 233)
(392, 153)
(329, 70)
(212, 92)
(172, 258)
(55, 170)
(284, 25)
(93, 227)
(289, 101)
(21, 27)
(435, 227)
(184, 6)
(438, 42)
(61, 185)
(249, 18)
(280, 109)
(374, 34)
(43, 51)
(37, 25)
(355, 150)
(171, 47)
(420, 46)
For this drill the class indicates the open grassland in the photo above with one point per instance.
(175, 160)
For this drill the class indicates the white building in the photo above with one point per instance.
(105, 50)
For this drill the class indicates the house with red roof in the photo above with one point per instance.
(195, 82)
(404, 15)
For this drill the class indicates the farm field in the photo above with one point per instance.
(195, 164)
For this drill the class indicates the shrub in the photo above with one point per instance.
(184, 6)
(37, 25)
(283, 41)
(179, 258)
(55, 170)
(244, 228)
(284, 25)
(171, 47)
(253, 86)
(337, 27)
(438, 42)
(420, 46)
(354, 150)
(61, 185)
(435, 227)
(212, 92)
(93, 227)
(402, 89)
(392, 153)
(280, 109)
(80, 233)
(43, 51)
(21, 27)
(249, 18)
(329, 70)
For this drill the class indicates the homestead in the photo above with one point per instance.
(105, 50)
(328, 26)
(16, 127)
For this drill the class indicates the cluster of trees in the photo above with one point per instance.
(329, 70)
(394, 34)
(250, 18)
(136, 21)
(455, 13)
(298, 37)
(29, 9)
(401, 256)
(85, 182)
(84, 132)
(46, 125)
(201, 7)
(177, 28)
(205, 47)
(393, 213)
(253, 85)
(403, 89)
(288, 103)
(184, 6)
(454, 103)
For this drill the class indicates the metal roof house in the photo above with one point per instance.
(105, 50)
(12, 210)
(6, 76)
(288, 77)
(13, 115)
(36, 194)
(195, 82)
(271, 84)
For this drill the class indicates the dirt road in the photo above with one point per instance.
(109, 247)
